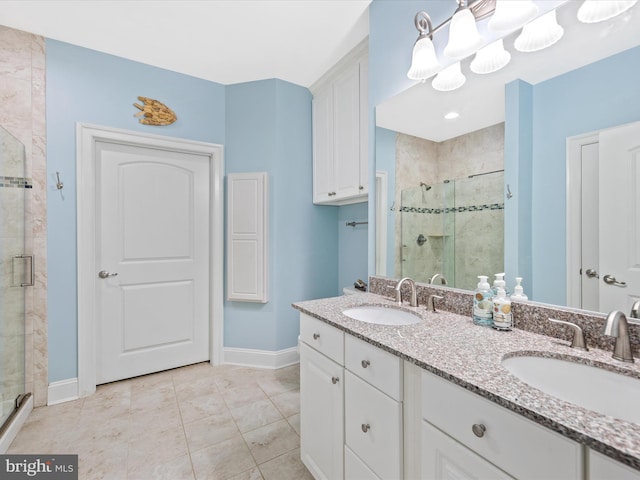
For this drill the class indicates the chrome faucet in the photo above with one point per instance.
(616, 326)
(635, 309)
(414, 295)
(442, 281)
(431, 302)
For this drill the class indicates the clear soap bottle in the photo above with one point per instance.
(482, 304)
(502, 316)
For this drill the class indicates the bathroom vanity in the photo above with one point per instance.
(433, 400)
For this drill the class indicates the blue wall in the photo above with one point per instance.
(269, 129)
(86, 86)
(264, 126)
(352, 256)
(597, 96)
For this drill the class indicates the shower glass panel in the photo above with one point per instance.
(13, 274)
(454, 229)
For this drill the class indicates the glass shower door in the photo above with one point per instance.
(13, 274)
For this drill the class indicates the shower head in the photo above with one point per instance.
(427, 187)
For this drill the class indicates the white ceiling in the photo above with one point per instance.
(225, 41)
(420, 110)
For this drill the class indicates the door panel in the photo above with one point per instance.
(152, 229)
(620, 217)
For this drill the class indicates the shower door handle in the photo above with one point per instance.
(30, 283)
(105, 274)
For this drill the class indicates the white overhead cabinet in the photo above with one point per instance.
(340, 131)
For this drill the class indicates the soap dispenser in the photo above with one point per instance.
(518, 291)
(482, 304)
(499, 283)
(502, 316)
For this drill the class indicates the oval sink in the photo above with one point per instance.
(593, 388)
(382, 315)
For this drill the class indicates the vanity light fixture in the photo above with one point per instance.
(464, 38)
(510, 15)
(451, 78)
(594, 11)
(491, 58)
(424, 63)
(543, 32)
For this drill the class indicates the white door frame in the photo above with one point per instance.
(574, 213)
(86, 138)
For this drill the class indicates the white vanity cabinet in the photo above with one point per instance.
(483, 435)
(340, 131)
(602, 467)
(373, 409)
(321, 399)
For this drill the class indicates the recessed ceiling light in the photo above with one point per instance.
(451, 115)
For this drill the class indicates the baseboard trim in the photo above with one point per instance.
(261, 358)
(63, 391)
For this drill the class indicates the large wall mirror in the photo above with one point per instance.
(507, 185)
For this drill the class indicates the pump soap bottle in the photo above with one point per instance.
(482, 304)
(518, 291)
(502, 316)
(499, 283)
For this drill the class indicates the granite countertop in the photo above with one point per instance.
(452, 347)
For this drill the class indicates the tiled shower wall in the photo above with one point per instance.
(419, 160)
(22, 113)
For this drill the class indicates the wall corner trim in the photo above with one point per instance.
(63, 391)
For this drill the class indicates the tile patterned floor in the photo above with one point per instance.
(197, 422)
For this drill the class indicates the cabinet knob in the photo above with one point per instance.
(335, 380)
(360, 187)
(316, 336)
(365, 363)
(365, 427)
(478, 429)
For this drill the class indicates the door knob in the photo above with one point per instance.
(105, 274)
(591, 273)
(611, 280)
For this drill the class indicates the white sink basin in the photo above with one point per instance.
(382, 315)
(593, 388)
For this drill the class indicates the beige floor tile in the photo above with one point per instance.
(177, 469)
(281, 381)
(193, 372)
(271, 441)
(159, 396)
(232, 376)
(255, 415)
(286, 467)
(194, 408)
(205, 385)
(242, 395)
(209, 431)
(104, 464)
(253, 474)
(163, 446)
(222, 461)
(155, 420)
(288, 403)
(294, 421)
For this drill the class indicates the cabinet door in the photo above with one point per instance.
(445, 459)
(373, 427)
(321, 414)
(323, 146)
(346, 133)
(605, 468)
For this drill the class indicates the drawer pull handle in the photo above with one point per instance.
(365, 363)
(365, 427)
(316, 336)
(478, 429)
(335, 380)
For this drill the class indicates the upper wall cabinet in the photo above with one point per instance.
(340, 130)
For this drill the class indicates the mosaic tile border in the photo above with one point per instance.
(438, 211)
(15, 182)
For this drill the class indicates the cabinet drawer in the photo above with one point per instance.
(517, 445)
(377, 367)
(323, 337)
(354, 468)
(373, 427)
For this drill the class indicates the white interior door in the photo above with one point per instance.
(152, 247)
(619, 217)
(589, 278)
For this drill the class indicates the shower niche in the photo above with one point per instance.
(453, 231)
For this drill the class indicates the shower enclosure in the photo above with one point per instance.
(15, 274)
(454, 230)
